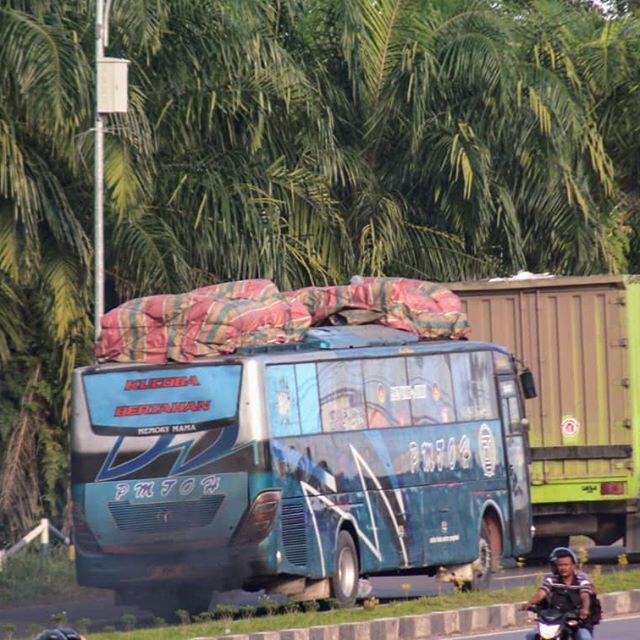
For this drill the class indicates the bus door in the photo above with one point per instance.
(516, 440)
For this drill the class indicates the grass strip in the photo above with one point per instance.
(29, 576)
(617, 581)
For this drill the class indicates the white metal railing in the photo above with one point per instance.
(42, 531)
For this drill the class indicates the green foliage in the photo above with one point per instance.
(205, 616)
(302, 142)
(60, 619)
(616, 581)
(183, 616)
(248, 611)
(310, 606)
(83, 625)
(34, 469)
(31, 576)
(225, 612)
(331, 604)
(268, 606)
(128, 621)
(8, 630)
(291, 606)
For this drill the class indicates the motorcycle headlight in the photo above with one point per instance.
(549, 631)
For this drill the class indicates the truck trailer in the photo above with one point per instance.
(581, 338)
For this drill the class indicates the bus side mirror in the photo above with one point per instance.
(528, 383)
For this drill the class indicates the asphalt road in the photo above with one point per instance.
(623, 628)
(102, 611)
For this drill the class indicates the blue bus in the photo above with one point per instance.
(299, 468)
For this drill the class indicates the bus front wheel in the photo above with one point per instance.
(344, 583)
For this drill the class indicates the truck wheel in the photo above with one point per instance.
(632, 536)
(344, 582)
(542, 547)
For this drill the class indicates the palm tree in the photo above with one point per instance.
(468, 119)
(303, 141)
(44, 250)
(45, 119)
(241, 136)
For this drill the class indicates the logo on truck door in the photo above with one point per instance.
(570, 427)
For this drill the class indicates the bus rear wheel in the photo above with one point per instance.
(489, 554)
(344, 582)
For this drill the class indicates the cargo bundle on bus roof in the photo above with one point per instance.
(222, 318)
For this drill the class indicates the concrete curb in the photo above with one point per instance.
(429, 625)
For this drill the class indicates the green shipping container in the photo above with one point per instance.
(581, 338)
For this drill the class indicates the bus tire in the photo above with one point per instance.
(344, 582)
(488, 556)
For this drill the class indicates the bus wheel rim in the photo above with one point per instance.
(484, 558)
(346, 572)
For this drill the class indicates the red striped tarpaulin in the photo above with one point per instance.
(429, 310)
(205, 322)
(221, 318)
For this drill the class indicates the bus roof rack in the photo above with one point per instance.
(355, 336)
(339, 337)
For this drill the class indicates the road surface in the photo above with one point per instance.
(623, 628)
(102, 611)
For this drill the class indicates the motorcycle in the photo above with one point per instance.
(553, 624)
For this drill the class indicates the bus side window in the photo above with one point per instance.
(514, 410)
(387, 393)
(308, 401)
(474, 386)
(511, 409)
(341, 395)
(432, 395)
(282, 398)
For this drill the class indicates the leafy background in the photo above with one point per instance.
(302, 141)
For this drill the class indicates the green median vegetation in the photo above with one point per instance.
(621, 580)
(29, 576)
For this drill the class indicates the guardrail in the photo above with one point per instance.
(42, 531)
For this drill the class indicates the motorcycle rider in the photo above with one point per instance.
(566, 589)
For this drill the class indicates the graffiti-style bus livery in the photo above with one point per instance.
(299, 468)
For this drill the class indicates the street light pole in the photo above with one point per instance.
(98, 167)
(111, 97)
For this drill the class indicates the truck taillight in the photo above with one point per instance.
(260, 519)
(612, 488)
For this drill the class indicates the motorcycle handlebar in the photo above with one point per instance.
(569, 615)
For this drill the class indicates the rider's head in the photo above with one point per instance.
(563, 561)
(59, 634)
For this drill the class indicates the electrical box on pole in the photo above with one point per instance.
(112, 85)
